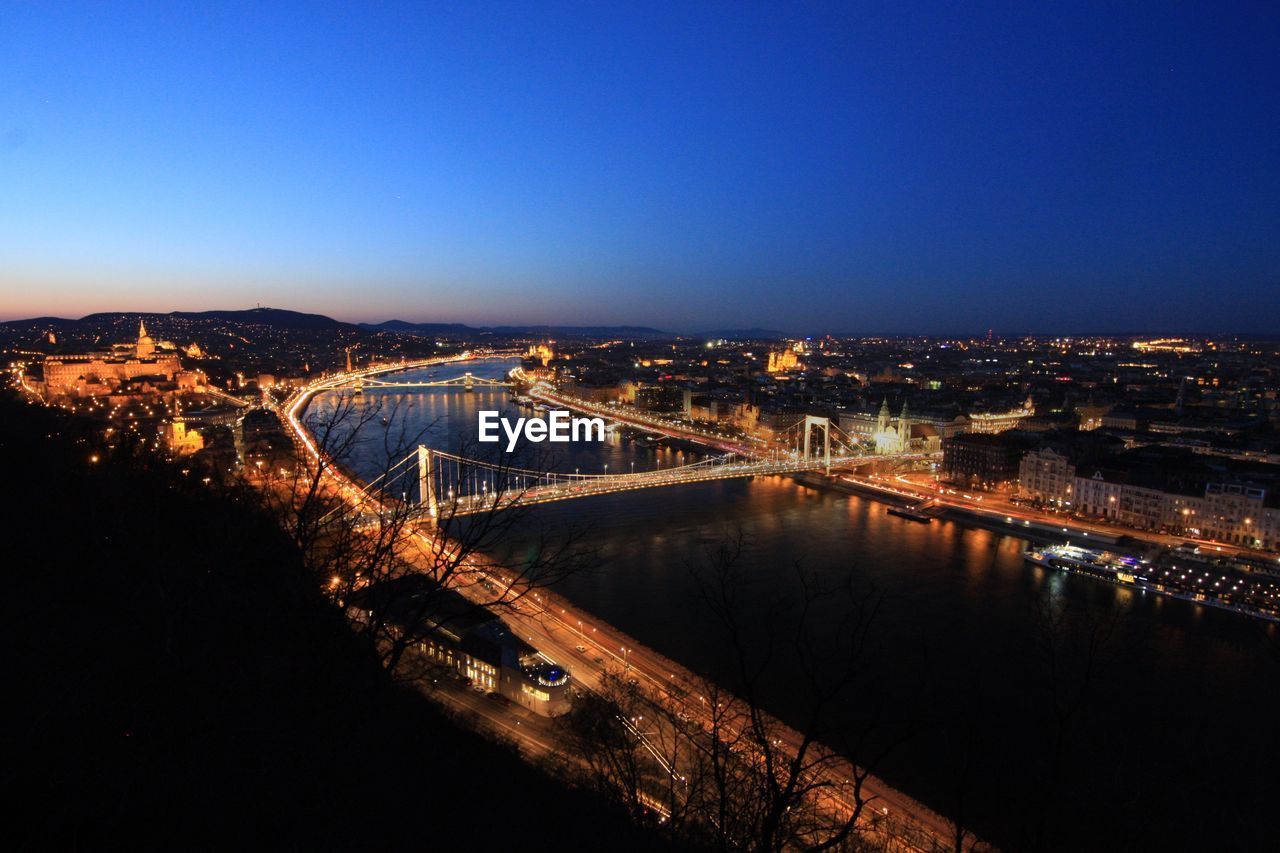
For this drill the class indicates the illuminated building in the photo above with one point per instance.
(182, 440)
(542, 353)
(469, 640)
(783, 361)
(1168, 490)
(1175, 345)
(145, 347)
(888, 434)
(102, 373)
(1046, 476)
(663, 398)
(992, 422)
(1237, 513)
(985, 460)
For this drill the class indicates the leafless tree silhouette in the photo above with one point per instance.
(358, 538)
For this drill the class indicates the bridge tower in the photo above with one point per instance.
(811, 421)
(469, 381)
(427, 482)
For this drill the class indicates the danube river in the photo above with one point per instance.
(1036, 703)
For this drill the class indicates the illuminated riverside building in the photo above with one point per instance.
(541, 353)
(1047, 476)
(483, 650)
(474, 643)
(1163, 490)
(985, 460)
(103, 373)
(1234, 513)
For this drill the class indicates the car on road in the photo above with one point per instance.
(581, 649)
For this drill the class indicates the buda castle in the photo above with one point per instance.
(103, 373)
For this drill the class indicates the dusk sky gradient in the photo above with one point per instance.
(867, 168)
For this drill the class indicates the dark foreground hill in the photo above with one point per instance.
(174, 681)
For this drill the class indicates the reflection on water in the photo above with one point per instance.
(961, 647)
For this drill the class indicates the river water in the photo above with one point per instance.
(1041, 705)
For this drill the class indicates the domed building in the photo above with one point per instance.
(102, 373)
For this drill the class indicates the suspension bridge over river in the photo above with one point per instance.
(466, 382)
(450, 484)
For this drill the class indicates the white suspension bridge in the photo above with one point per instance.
(449, 484)
(466, 382)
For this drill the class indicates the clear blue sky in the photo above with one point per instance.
(860, 167)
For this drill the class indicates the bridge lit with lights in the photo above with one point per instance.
(448, 484)
(466, 382)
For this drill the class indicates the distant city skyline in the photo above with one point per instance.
(906, 169)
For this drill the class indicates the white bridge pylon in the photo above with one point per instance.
(824, 424)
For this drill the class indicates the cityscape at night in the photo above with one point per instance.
(675, 427)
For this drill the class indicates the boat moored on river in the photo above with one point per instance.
(1257, 597)
(913, 513)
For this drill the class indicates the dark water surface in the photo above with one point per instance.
(1164, 736)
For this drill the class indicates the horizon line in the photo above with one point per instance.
(701, 332)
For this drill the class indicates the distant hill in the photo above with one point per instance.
(753, 334)
(277, 318)
(280, 318)
(463, 330)
(40, 322)
(428, 329)
(644, 332)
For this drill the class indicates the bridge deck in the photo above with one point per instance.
(466, 381)
(449, 384)
(601, 485)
